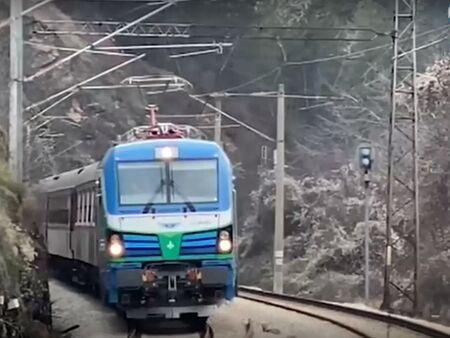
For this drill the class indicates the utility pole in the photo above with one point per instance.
(365, 163)
(279, 197)
(27, 162)
(218, 122)
(366, 239)
(16, 91)
(403, 180)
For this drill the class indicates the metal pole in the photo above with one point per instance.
(279, 197)
(416, 305)
(16, 91)
(27, 176)
(218, 123)
(366, 238)
(386, 304)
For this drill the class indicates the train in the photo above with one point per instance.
(152, 227)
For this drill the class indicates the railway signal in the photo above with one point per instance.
(366, 160)
(365, 153)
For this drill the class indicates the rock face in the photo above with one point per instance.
(24, 295)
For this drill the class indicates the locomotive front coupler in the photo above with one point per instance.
(172, 288)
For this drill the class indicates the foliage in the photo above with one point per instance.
(20, 278)
(324, 233)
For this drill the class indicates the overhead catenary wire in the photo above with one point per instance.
(286, 38)
(196, 53)
(427, 45)
(186, 116)
(82, 83)
(54, 104)
(99, 41)
(147, 2)
(274, 95)
(232, 118)
(275, 69)
(68, 49)
(225, 126)
(175, 46)
(6, 22)
(355, 53)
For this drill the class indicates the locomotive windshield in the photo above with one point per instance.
(138, 179)
(183, 181)
(194, 181)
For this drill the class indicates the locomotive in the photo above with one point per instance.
(152, 227)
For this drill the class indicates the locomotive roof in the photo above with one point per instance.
(144, 150)
(70, 179)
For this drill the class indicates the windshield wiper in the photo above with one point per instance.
(186, 200)
(150, 203)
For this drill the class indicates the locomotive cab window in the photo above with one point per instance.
(194, 181)
(141, 183)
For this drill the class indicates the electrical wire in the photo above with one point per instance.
(317, 60)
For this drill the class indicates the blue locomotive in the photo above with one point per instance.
(152, 227)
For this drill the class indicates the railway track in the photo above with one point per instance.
(135, 330)
(328, 311)
(254, 314)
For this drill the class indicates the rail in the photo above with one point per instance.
(418, 326)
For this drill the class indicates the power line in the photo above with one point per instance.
(285, 38)
(68, 49)
(232, 118)
(82, 83)
(186, 116)
(96, 43)
(274, 95)
(432, 43)
(226, 126)
(172, 46)
(319, 60)
(25, 12)
(148, 2)
(54, 104)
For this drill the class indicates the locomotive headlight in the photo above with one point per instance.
(166, 153)
(115, 248)
(225, 245)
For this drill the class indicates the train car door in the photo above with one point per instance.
(236, 239)
(73, 219)
(100, 225)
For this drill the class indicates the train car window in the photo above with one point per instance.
(78, 207)
(93, 206)
(59, 216)
(88, 207)
(58, 210)
(83, 207)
